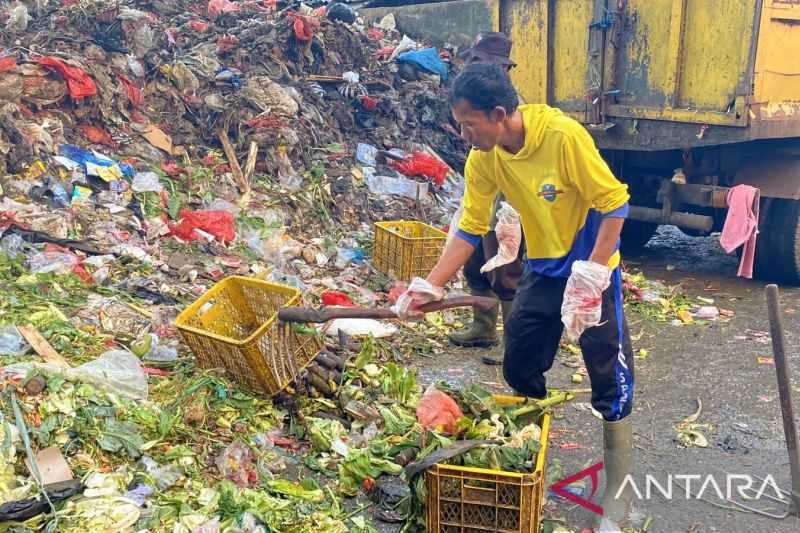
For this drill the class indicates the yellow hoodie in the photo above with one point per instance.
(559, 184)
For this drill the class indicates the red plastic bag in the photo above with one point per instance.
(438, 411)
(199, 26)
(218, 7)
(79, 83)
(422, 164)
(220, 224)
(7, 63)
(134, 93)
(336, 298)
(96, 134)
(303, 26)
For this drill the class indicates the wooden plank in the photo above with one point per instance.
(41, 346)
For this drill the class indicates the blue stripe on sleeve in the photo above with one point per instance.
(620, 212)
(471, 238)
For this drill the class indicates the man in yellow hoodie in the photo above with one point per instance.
(572, 210)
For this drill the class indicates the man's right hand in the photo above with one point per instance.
(419, 293)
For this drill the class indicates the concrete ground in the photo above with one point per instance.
(716, 364)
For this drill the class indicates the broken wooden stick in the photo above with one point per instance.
(250, 165)
(230, 153)
(41, 346)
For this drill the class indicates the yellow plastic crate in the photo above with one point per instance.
(234, 326)
(463, 499)
(404, 249)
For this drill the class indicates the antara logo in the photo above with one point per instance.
(734, 484)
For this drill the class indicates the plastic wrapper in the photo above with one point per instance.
(438, 411)
(12, 342)
(336, 298)
(13, 245)
(583, 297)
(419, 292)
(52, 263)
(18, 18)
(236, 464)
(509, 237)
(164, 476)
(146, 182)
(399, 186)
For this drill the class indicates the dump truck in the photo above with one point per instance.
(685, 99)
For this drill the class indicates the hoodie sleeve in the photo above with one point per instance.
(587, 170)
(479, 194)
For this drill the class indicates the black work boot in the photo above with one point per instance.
(505, 305)
(482, 333)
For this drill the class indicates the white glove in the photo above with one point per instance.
(509, 235)
(419, 293)
(583, 297)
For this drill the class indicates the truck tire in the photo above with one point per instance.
(635, 235)
(778, 244)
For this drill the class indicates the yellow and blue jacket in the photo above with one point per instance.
(558, 183)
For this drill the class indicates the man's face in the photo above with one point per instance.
(480, 129)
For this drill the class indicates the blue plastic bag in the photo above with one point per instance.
(427, 59)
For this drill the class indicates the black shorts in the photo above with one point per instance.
(533, 333)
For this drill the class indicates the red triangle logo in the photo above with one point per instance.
(559, 487)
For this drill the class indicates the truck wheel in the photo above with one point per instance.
(778, 244)
(635, 234)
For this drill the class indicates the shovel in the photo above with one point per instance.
(324, 314)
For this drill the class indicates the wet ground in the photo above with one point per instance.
(717, 364)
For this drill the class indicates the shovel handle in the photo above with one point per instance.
(324, 314)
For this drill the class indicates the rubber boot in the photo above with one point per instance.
(482, 333)
(505, 306)
(618, 464)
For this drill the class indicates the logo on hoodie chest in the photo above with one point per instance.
(549, 192)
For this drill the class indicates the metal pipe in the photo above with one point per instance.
(682, 220)
(784, 391)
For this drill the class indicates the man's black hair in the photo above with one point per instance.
(485, 86)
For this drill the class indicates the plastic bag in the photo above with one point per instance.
(219, 224)
(399, 186)
(583, 297)
(12, 342)
(58, 263)
(115, 371)
(348, 252)
(509, 236)
(422, 164)
(164, 476)
(218, 7)
(79, 83)
(236, 464)
(360, 327)
(438, 411)
(13, 245)
(18, 19)
(287, 175)
(336, 298)
(146, 182)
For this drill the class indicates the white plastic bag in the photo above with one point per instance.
(509, 236)
(116, 371)
(583, 297)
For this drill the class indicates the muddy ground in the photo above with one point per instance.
(683, 364)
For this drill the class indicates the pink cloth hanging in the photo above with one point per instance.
(741, 226)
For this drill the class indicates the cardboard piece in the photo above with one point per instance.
(52, 466)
